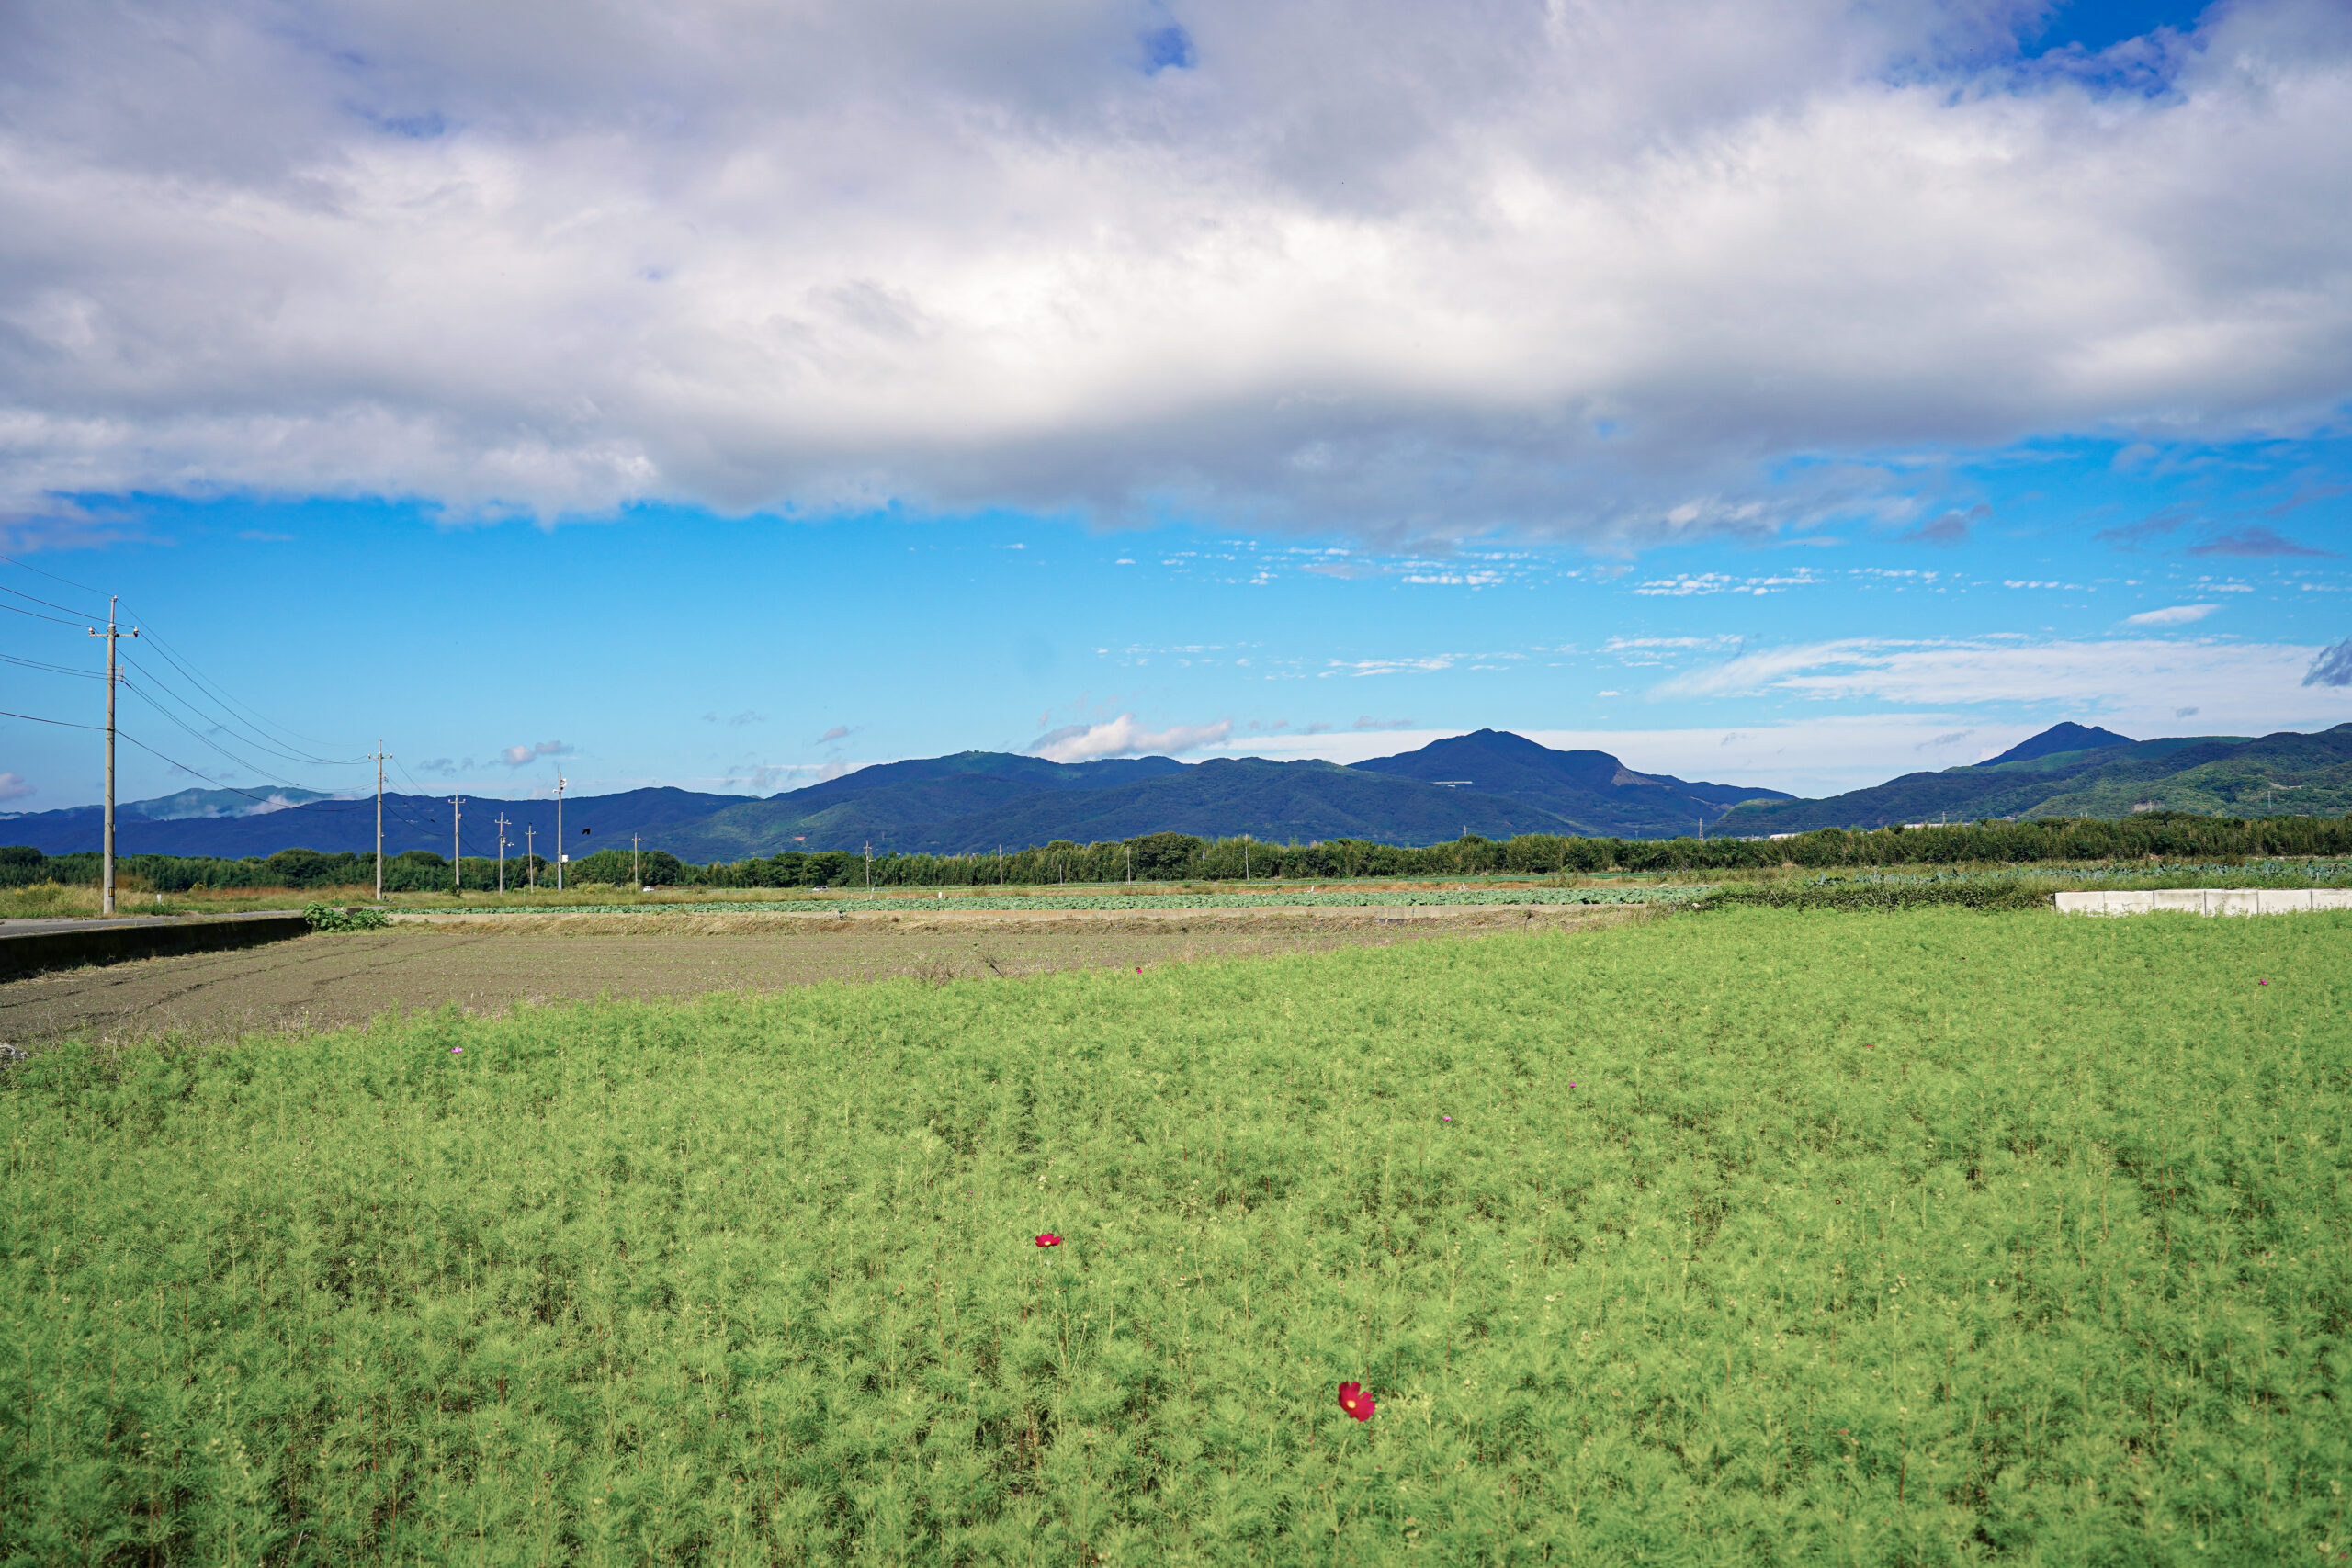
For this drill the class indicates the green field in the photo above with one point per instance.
(1755, 1236)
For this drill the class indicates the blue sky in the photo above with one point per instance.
(1801, 400)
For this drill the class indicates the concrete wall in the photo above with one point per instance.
(30, 952)
(2207, 901)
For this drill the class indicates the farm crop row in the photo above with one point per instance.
(1280, 899)
(1939, 1239)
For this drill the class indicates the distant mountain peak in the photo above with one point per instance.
(2064, 736)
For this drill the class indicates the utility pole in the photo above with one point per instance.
(379, 818)
(457, 866)
(559, 856)
(106, 900)
(530, 858)
(502, 853)
(869, 868)
(635, 873)
(1131, 864)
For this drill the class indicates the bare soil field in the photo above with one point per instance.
(487, 963)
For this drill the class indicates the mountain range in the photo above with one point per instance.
(1490, 782)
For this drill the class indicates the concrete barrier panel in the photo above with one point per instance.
(2178, 900)
(31, 953)
(2233, 901)
(2284, 901)
(2331, 898)
(2082, 903)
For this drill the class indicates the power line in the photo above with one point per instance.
(215, 692)
(250, 739)
(51, 603)
(206, 739)
(61, 723)
(53, 669)
(51, 575)
(36, 615)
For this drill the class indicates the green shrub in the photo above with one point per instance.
(328, 917)
(1887, 893)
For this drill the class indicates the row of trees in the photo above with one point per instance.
(416, 870)
(1167, 857)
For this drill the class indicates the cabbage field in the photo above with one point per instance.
(1356, 897)
(1748, 1236)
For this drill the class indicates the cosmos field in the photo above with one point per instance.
(1741, 1237)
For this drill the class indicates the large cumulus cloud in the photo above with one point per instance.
(1597, 269)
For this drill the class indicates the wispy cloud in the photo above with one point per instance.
(521, 756)
(1951, 528)
(2134, 680)
(2255, 541)
(2332, 667)
(2171, 616)
(13, 787)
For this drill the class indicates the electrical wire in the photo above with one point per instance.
(159, 685)
(51, 575)
(53, 669)
(61, 723)
(213, 691)
(36, 615)
(51, 603)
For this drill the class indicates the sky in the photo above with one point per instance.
(733, 396)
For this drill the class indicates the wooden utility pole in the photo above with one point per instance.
(106, 895)
(530, 859)
(559, 856)
(379, 818)
(502, 853)
(636, 873)
(456, 865)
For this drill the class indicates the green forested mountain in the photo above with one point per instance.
(2287, 773)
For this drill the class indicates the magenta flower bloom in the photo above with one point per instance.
(456, 1050)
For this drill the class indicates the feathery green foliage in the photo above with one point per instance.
(1761, 1236)
(333, 918)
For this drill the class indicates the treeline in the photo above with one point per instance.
(1181, 857)
(416, 870)
(1170, 857)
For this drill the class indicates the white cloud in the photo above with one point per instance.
(520, 756)
(2172, 615)
(1123, 736)
(1591, 269)
(13, 787)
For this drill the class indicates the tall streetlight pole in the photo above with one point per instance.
(502, 855)
(106, 897)
(559, 856)
(530, 857)
(457, 863)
